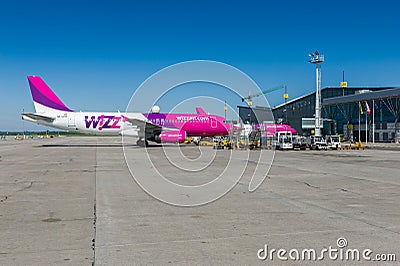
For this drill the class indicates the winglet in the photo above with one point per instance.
(200, 111)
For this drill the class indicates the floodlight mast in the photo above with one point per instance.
(316, 58)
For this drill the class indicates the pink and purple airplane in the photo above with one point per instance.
(157, 127)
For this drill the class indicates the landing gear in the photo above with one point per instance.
(142, 143)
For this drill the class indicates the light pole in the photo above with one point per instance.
(225, 108)
(285, 96)
(316, 58)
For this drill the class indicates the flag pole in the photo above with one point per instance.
(359, 122)
(373, 121)
(366, 127)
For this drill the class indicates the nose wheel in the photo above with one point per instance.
(142, 143)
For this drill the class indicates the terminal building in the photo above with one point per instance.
(358, 113)
(256, 115)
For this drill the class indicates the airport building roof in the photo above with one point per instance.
(367, 96)
(293, 100)
(374, 89)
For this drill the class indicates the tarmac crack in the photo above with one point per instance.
(94, 208)
(307, 184)
(27, 187)
(347, 191)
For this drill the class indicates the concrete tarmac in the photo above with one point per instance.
(72, 200)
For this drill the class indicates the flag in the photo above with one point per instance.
(368, 109)
(361, 109)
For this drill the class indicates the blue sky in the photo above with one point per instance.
(94, 54)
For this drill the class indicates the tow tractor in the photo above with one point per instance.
(318, 143)
(255, 140)
(284, 140)
(221, 143)
(333, 142)
(299, 142)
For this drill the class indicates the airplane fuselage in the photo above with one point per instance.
(116, 123)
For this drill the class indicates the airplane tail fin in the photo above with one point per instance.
(44, 98)
(200, 111)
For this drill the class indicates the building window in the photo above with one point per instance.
(385, 136)
(384, 125)
(376, 136)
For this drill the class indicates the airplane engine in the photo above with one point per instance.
(173, 136)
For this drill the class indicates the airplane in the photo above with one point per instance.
(156, 127)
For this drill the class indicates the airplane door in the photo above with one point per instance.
(213, 122)
(71, 120)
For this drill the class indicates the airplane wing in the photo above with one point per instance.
(145, 126)
(35, 117)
